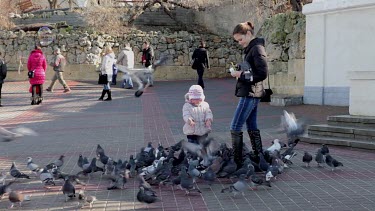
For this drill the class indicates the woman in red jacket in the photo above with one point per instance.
(37, 63)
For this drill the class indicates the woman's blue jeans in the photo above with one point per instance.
(246, 112)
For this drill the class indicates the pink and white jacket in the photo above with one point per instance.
(199, 114)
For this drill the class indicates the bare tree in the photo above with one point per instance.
(52, 4)
(6, 6)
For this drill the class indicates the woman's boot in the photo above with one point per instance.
(103, 93)
(256, 144)
(237, 144)
(109, 96)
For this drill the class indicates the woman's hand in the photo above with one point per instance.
(236, 74)
(191, 122)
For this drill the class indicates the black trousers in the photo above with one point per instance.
(200, 77)
(1, 86)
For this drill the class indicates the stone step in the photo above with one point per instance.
(358, 133)
(315, 139)
(286, 100)
(349, 120)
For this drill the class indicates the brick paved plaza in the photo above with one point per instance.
(73, 124)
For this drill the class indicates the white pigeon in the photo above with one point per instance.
(10, 135)
(276, 146)
(291, 125)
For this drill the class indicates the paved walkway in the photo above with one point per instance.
(73, 124)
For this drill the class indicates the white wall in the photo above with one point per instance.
(340, 37)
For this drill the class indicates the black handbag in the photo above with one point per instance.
(195, 64)
(267, 92)
(103, 79)
(31, 74)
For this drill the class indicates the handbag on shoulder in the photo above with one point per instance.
(267, 92)
(103, 79)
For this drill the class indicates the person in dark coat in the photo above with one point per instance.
(249, 88)
(3, 74)
(147, 60)
(200, 62)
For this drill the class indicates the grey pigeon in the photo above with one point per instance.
(5, 189)
(90, 168)
(68, 190)
(47, 178)
(319, 158)
(80, 161)
(237, 187)
(33, 167)
(17, 173)
(209, 175)
(143, 183)
(58, 163)
(228, 169)
(17, 197)
(307, 158)
(333, 163)
(257, 181)
(263, 165)
(99, 150)
(187, 182)
(324, 149)
(146, 196)
(244, 169)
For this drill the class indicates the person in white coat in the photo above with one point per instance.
(107, 68)
(126, 58)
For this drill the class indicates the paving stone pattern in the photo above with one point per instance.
(74, 123)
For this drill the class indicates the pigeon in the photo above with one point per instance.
(263, 165)
(46, 177)
(256, 181)
(146, 196)
(5, 189)
(86, 198)
(208, 175)
(292, 127)
(331, 162)
(319, 158)
(275, 146)
(187, 182)
(143, 183)
(3, 176)
(16, 133)
(33, 167)
(80, 161)
(307, 158)
(58, 163)
(324, 149)
(17, 197)
(16, 173)
(228, 169)
(68, 190)
(99, 150)
(237, 187)
(90, 168)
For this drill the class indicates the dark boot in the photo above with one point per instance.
(237, 144)
(109, 96)
(256, 143)
(103, 93)
(0, 103)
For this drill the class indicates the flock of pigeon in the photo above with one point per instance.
(182, 165)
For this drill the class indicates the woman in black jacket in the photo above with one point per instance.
(249, 88)
(3, 74)
(200, 61)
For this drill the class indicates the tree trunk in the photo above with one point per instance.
(52, 4)
(70, 5)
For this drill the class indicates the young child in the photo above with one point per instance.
(197, 115)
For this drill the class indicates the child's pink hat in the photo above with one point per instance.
(196, 92)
